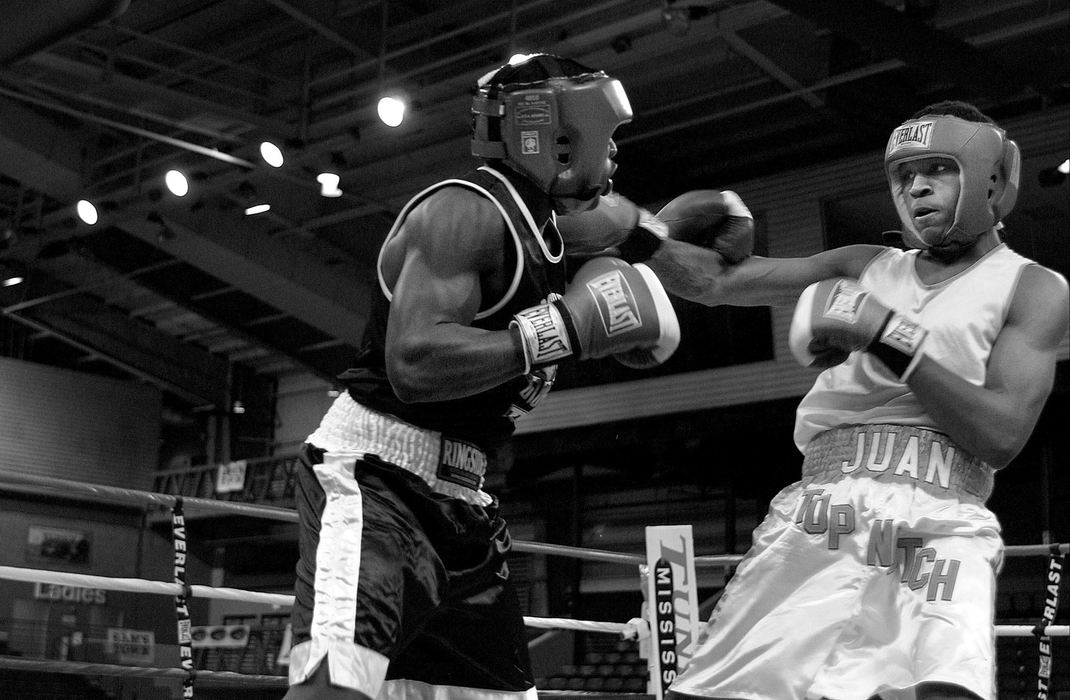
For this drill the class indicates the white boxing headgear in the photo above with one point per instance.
(989, 170)
(551, 120)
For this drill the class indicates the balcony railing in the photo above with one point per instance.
(267, 480)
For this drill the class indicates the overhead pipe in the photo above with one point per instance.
(31, 26)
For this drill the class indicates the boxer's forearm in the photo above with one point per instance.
(452, 361)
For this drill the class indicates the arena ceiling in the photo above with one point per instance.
(101, 103)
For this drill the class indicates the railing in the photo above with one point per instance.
(37, 640)
(267, 480)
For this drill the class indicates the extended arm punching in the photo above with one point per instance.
(715, 220)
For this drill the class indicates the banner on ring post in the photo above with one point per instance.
(672, 603)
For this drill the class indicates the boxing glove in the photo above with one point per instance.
(716, 220)
(835, 317)
(616, 223)
(609, 308)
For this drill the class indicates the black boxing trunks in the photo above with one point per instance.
(399, 584)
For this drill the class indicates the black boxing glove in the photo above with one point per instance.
(610, 308)
(716, 220)
(616, 224)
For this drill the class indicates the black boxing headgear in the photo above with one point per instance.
(551, 120)
(989, 170)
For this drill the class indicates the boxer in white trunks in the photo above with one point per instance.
(874, 575)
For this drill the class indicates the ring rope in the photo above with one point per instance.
(82, 668)
(633, 629)
(1031, 630)
(137, 585)
(66, 489)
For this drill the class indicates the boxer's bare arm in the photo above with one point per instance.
(701, 275)
(450, 246)
(994, 421)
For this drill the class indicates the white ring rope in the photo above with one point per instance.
(82, 668)
(138, 585)
(1031, 630)
(113, 494)
(98, 492)
(66, 489)
(62, 488)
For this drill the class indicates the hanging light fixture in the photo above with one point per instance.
(176, 183)
(12, 272)
(391, 109)
(87, 212)
(392, 105)
(271, 154)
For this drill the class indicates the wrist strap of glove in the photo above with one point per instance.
(643, 240)
(898, 345)
(546, 335)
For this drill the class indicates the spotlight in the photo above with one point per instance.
(12, 272)
(391, 110)
(247, 192)
(177, 183)
(271, 154)
(329, 185)
(87, 212)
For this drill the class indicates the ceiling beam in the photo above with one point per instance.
(39, 153)
(34, 25)
(332, 299)
(896, 35)
(132, 345)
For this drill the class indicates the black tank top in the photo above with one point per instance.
(486, 418)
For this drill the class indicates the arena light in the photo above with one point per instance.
(12, 272)
(329, 184)
(86, 211)
(257, 209)
(176, 183)
(391, 110)
(271, 154)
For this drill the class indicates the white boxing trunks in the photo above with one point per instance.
(874, 573)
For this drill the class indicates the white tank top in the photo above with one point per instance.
(963, 315)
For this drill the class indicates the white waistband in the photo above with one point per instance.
(451, 467)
